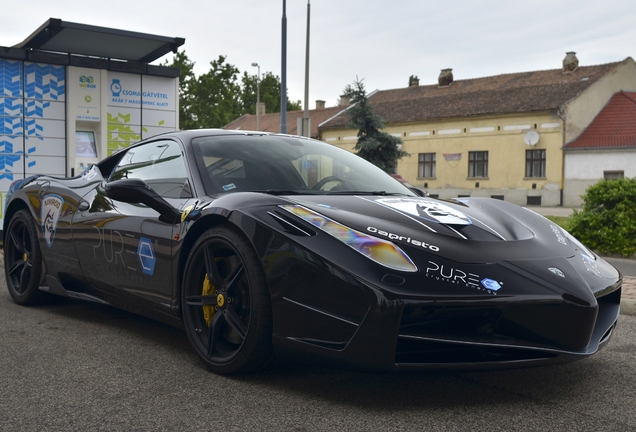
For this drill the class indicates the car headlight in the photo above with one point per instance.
(381, 251)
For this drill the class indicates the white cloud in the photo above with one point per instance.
(382, 41)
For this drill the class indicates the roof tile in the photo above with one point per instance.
(500, 94)
(613, 127)
(271, 122)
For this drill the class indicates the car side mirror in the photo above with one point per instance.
(135, 191)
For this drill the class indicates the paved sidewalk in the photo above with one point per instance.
(628, 296)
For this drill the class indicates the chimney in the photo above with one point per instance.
(261, 108)
(445, 78)
(344, 101)
(414, 81)
(570, 62)
(320, 104)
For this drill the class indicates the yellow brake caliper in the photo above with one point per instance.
(208, 311)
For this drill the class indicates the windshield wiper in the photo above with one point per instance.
(381, 193)
(281, 192)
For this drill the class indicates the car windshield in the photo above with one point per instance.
(286, 165)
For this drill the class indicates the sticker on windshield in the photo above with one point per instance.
(427, 209)
(228, 187)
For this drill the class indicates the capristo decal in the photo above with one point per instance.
(392, 236)
(445, 273)
(427, 209)
(49, 215)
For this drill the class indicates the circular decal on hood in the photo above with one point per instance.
(427, 209)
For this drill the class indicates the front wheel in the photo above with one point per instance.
(226, 304)
(23, 260)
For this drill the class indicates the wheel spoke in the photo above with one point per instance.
(25, 277)
(211, 267)
(233, 277)
(17, 267)
(235, 322)
(215, 332)
(17, 242)
(201, 300)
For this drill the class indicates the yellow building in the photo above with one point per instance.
(499, 136)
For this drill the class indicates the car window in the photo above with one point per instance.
(287, 164)
(160, 164)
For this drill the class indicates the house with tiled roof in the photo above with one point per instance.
(270, 122)
(501, 136)
(605, 150)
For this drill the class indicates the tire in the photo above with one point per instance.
(226, 304)
(23, 260)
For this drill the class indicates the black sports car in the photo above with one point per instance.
(265, 246)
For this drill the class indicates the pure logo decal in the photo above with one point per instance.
(445, 273)
(49, 215)
(427, 209)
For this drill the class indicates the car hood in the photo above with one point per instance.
(465, 230)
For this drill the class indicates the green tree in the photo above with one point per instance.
(180, 60)
(215, 95)
(607, 222)
(379, 148)
(269, 94)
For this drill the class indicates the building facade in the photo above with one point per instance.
(605, 150)
(499, 137)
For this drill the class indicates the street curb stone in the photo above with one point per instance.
(628, 296)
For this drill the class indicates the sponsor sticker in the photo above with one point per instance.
(146, 255)
(49, 215)
(559, 234)
(590, 265)
(392, 236)
(427, 209)
(454, 275)
(556, 271)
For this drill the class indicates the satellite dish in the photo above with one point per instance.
(531, 137)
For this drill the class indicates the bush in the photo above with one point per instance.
(607, 222)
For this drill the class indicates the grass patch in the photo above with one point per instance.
(562, 221)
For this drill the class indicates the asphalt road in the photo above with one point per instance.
(81, 367)
(626, 266)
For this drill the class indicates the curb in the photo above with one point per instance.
(628, 296)
(628, 307)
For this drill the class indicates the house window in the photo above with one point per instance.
(426, 165)
(478, 164)
(535, 163)
(613, 175)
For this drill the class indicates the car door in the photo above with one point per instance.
(124, 249)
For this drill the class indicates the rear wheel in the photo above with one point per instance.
(23, 260)
(226, 304)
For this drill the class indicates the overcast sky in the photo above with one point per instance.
(381, 41)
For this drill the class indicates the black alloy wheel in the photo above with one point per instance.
(226, 304)
(23, 260)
